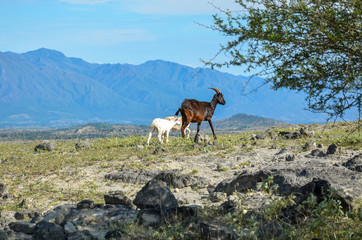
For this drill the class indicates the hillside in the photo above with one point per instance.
(45, 88)
(308, 186)
(236, 123)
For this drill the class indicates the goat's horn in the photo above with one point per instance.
(215, 89)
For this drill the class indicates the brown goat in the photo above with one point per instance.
(196, 111)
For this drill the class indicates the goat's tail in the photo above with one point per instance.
(176, 114)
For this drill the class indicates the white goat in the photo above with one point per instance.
(163, 128)
(178, 126)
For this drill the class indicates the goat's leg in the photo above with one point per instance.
(149, 136)
(184, 125)
(159, 135)
(166, 136)
(198, 131)
(212, 129)
(188, 131)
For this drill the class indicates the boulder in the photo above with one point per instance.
(332, 149)
(46, 146)
(155, 194)
(46, 230)
(118, 197)
(85, 204)
(83, 145)
(202, 139)
(24, 227)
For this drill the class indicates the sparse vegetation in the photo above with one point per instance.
(40, 180)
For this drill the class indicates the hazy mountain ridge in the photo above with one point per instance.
(46, 88)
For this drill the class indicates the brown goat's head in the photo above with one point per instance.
(219, 96)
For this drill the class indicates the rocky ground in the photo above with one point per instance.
(179, 186)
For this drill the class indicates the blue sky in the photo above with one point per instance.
(114, 31)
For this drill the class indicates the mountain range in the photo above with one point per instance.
(46, 88)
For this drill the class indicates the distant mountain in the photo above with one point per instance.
(243, 121)
(46, 88)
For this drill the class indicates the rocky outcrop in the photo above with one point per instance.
(46, 146)
(291, 176)
(133, 176)
(354, 164)
(86, 220)
(175, 179)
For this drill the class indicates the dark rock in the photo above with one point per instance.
(332, 149)
(210, 188)
(177, 180)
(85, 204)
(133, 176)
(291, 176)
(81, 235)
(46, 230)
(289, 135)
(242, 183)
(64, 212)
(4, 235)
(69, 228)
(290, 157)
(317, 153)
(201, 139)
(83, 145)
(20, 215)
(3, 189)
(24, 227)
(310, 145)
(118, 197)
(159, 149)
(150, 217)
(354, 164)
(46, 146)
(115, 234)
(184, 215)
(155, 194)
(320, 189)
(217, 196)
(232, 203)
